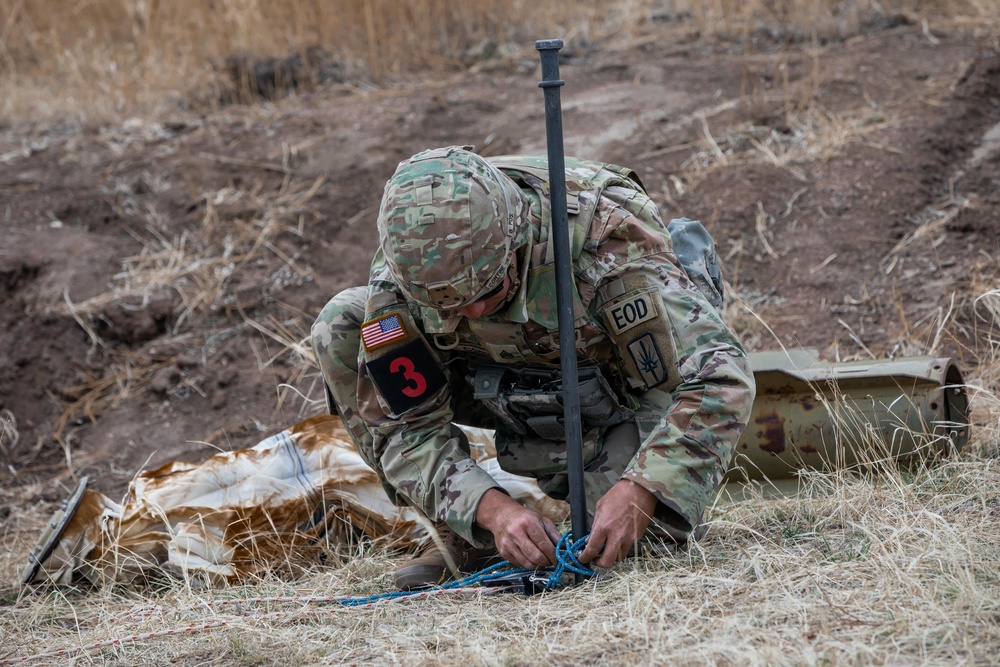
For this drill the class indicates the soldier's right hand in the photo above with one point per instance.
(522, 536)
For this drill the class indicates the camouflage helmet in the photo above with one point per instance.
(449, 225)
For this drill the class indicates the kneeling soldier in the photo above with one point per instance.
(458, 325)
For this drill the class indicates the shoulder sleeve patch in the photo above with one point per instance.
(407, 376)
(648, 360)
(631, 311)
(382, 331)
(634, 314)
(399, 362)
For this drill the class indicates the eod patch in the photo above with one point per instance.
(631, 312)
(638, 326)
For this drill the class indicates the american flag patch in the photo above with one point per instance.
(381, 331)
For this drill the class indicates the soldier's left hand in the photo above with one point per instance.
(620, 518)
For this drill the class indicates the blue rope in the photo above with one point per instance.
(567, 563)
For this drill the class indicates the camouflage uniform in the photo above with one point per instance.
(678, 386)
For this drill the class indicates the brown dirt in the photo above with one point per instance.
(810, 246)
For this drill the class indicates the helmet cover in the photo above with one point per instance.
(449, 225)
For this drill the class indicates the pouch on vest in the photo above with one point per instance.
(529, 401)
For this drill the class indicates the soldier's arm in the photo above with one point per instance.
(702, 416)
(687, 369)
(405, 399)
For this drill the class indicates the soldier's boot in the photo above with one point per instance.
(438, 560)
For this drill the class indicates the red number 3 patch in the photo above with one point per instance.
(404, 365)
(406, 376)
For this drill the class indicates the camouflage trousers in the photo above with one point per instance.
(607, 452)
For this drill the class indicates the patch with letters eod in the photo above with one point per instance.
(382, 331)
(406, 376)
(631, 312)
(648, 361)
(642, 332)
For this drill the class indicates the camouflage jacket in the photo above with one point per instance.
(622, 260)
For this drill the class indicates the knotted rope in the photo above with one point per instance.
(567, 562)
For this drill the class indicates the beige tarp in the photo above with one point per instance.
(297, 494)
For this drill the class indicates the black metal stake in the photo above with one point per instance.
(548, 49)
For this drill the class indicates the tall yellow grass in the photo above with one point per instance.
(102, 59)
(113, 57)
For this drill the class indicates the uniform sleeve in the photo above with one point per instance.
(405, 399)
(691, 431)
(690, 418)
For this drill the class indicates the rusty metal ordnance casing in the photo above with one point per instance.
(815, 415)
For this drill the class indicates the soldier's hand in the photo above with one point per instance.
(620, 518)
(522, 536)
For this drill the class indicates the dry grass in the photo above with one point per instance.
(903, 568)
(114, 58)
(94, 62)
(815, 135)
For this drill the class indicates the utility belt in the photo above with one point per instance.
(528, 401)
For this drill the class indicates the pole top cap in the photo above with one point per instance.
(548, 44)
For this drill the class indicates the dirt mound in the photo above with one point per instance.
(159, 278)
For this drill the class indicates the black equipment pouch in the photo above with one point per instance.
(528, 401)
